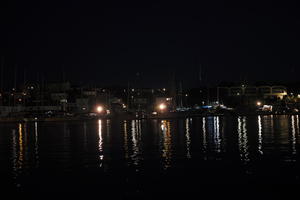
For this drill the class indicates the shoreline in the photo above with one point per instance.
(126, 117)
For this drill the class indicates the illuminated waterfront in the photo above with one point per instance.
(149, 156)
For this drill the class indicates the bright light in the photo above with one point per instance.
(162, 106)
(258, 103)
(99, 109)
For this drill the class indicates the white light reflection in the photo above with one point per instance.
(36, 144)
(243, 139)
(260, 139)
(100, 146)
(217, 139)
(135, 135)
(293, 136)
(14, 153)
(272, 123)
(297, 124)
(188, 138)
(204, 134)
(125, 140)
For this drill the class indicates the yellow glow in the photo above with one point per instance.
(21, 149)
(162, 106)
(166, 143)
(258, 103)
(99, 109)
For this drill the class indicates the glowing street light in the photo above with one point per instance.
(100, 109)
(162, 106)
(258, 103)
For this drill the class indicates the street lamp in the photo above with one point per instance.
(100, 109)
(162, 107)
(258, 103)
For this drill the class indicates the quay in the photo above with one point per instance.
(132, 117)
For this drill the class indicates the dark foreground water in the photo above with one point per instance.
(151, 159)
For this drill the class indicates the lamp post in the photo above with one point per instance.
(162, 107)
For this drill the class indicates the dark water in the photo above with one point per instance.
(148, 159)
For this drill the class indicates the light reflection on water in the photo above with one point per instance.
(204, 144)
(166, 148)
(243, 139)
(14, 154)
(163, 141)
(260, 138)
(188, 137)
(293, 135)
(297, 124)
(101, 156)
(126, 149)
(136, 140)
(36, 144)
(21, 148)
(217, 134)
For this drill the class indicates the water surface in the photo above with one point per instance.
(138, 157)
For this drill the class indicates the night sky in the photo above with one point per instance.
(116, 42)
